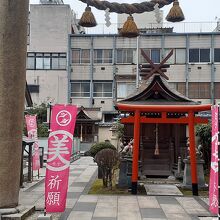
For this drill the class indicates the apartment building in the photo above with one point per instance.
(104, 68)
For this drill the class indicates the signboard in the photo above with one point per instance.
(62, 125)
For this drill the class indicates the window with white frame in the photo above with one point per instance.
(197, 55)
(46, 61)
(217, 55)
(102, 89)
(102, 55)
(80, 89)
(80, 56)
(154, 54)
(180, 55)
(126, 56)
(124, 89)
(171, 60)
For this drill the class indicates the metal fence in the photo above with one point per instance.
(180, 27)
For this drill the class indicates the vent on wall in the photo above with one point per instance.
(102, 68)
(33, 88)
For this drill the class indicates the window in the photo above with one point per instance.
(124, 89)
(179, 86)
(80, 56)
(109, 117)
(58, 61)
(199, 90)
(33, 88)
(180, 56)
(102, 56)
(75, 56)
(102, 89)
(126, 55)
(171, 60)
(217, 90)
(31, 61)
(46, 61)
(85, 56)
(199, 55)
(80, 89)
(154, 55)
(217, 55)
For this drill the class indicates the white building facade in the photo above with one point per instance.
(104, 68)
(49, 27)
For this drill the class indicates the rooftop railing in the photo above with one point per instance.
(182, 27)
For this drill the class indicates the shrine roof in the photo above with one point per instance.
(88, 114)
(156, 91)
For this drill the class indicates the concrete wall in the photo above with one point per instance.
(104, 134)
(52, 85)
(49, 29)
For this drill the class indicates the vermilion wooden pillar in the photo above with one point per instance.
(193, 154)
(134, 177)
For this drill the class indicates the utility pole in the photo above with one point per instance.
(13, 49)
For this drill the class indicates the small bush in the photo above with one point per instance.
(204, 133)
(43, 130)
(107, 160)
(99, 146)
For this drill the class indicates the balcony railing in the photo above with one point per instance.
(182, 27)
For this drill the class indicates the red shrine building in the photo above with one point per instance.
(158, 118)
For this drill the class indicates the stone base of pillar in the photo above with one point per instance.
(134, 188)
(45, 217)
(187, 180)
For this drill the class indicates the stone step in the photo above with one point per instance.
(22, 214)
(156, 172)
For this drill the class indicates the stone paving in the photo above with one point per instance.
(82, 206)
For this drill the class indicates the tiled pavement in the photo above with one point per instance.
(82, 206)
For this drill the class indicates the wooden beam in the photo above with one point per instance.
(163, 120)
(162, 108)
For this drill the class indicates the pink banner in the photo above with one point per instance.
(213, 182)
(62, 125)
(31, 122)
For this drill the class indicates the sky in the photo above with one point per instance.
(194, 10)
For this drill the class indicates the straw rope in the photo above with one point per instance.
(146, 6)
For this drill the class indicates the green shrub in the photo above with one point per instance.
(43, 130)
(204, 133)
(99, 146)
